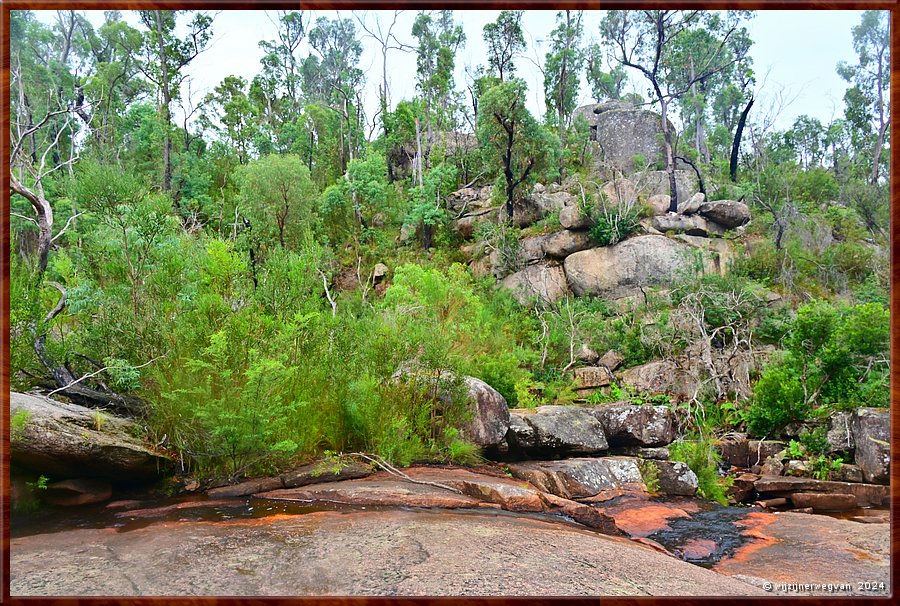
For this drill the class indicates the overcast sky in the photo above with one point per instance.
(794, 54)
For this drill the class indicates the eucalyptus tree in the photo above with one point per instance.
(331, 77)
(230, 113)
(604, 84)
(868, 101)
(439, 39)
(165, 55)
(387, 41)
(645, 41)
(504, 39)
(562, 69)
(516, 148)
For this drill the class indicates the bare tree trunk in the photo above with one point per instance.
(736, 144)
(45, 219)
(670, 154)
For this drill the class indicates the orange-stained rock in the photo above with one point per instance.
(800, 548)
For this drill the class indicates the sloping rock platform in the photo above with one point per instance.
(360, 553)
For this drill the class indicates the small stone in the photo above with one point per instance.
(587, 355)
(611, 359)
(772, 467)
(691, 205)
(379, 272)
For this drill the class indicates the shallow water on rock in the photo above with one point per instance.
(706, 536)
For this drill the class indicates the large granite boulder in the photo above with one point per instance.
(470, 199)
(728, 213)
(563, 243)
(574, 217)
(545, 282)
(70, 441)
(840, 436)
(656, 182)
(491, 421)
(559, 429)
(580, 477)
(623, 135)
(537, 205)
(871, 429)
(692, 225)
(636, 425)
(466, 225)
(718, 253)
(590, 378)
(675, 478)
(618, 271)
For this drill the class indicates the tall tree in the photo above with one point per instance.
(387, 40)
(563, 67)
(515, 146)
(604, 84)
(165, 55)
(644, 41)
(333, 77)
(229, 111)
(504, 39)
(439, 40)
(871, 77)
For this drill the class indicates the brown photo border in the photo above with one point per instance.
(8, 5)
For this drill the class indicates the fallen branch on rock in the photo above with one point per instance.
(373, 458)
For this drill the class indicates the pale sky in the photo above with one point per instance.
(794, 54)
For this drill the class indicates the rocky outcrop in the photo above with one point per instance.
(718, 253)
(784, 486)
(688, 206)
(466, 225)
(657, 183)
(490, 414)
(692, 225)
(78, 491)
(871, 429)
(564, 429)
(636, 425)
(69, 441)
(544, 281)
(659, 376)
(820, 501)
(621, 270)
(839, 436)
(590, 378)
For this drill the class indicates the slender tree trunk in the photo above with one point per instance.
(167, 100)
(882, 129)
(736, 144)
(419, 154)
(669, 150)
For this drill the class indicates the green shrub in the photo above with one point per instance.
(699, 453)
(778, 399)
(613, 226)
(650, 475)
(837, 357)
